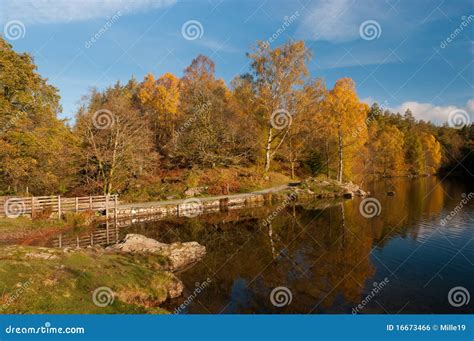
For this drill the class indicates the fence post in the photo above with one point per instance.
(59, 206)
(115, 207)
(77, 204)
(60, 241)
(107, 231)
(107, 207)
(90, 203)
(32, 207)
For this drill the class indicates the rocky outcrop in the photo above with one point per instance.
(351, 190)
(329, 188)
(180, 255)
(195, 191)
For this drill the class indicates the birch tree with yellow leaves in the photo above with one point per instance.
(346, 112)
(277, 74)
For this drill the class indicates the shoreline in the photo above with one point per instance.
(307, 190)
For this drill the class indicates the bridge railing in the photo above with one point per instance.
(13, 207)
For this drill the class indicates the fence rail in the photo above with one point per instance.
(13, 207)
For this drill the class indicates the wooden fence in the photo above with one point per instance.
(13, 207)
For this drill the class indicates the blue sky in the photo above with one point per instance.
(404, 61)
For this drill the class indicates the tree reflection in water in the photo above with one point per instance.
(328, 257)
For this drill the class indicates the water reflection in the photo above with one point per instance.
(329, 255)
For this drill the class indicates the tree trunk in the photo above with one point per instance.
(272, 243)
(343, 216)
(340, 146)
(268, 150)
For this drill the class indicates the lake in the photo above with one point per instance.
(396, 256)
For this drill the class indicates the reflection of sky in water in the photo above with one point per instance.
(240, 296)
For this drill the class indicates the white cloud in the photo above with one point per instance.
(59, 11)
(470, 105)
(435, 114)
(338, 20)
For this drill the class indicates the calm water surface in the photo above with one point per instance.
(331, 259)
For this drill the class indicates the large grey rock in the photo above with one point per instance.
(180, 255)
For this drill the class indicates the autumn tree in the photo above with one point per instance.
(277, 75)
(34, 144)
(306, 124)
(243, 104)
(432, 153)
(116, 141)
(209, 133)
(346, 114)
(452, 143)
(160, 100)
(387, 150)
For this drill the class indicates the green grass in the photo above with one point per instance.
(323, 186)
(22, 225)
(9, 224)
(64, 283)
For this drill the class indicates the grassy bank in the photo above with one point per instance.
(40, 280)
(218, 181)
(24, 227)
